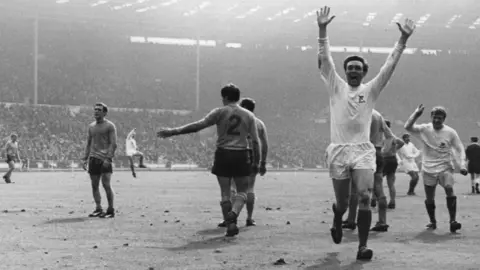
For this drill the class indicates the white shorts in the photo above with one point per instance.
(443, 179)
(132, 153)
(409, 166)
(343, 158)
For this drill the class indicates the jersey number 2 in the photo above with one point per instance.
(233, 123)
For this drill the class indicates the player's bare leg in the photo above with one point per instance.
(251, 200)
(342, 197)
(381, 225)
(132, 166)
(240, 198)
(140, 157)
(363, 179)
(477, 183)
(106, 179)
(97, 197)
(352, 209)
(430, 205)
(413, 183)
(225, 194)
(391, 188)
(8, 174)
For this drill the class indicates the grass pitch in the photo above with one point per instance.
(167, 220)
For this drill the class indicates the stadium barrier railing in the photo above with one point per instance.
(120, 165)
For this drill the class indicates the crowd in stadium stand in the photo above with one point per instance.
(86, 67)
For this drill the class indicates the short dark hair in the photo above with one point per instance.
(248, 104)
(101, 104)
(474, 139)
(439, 110)
(356, 58)
(389, 124)
(231, 92)
(405, 135)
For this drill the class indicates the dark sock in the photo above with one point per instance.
(226, 208)
(382, 210)
(452, 207)
(364, 222)
(141, 160)
(431, 211)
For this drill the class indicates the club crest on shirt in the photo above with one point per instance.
(442, 145)
(361, 99)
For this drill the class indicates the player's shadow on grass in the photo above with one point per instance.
(216, 231)
(430, 237)
(331, 262)
(67, 220)
(211, 243)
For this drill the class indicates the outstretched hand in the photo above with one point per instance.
(419, 110)
(165, 133)
(407, 28)
(323, 16)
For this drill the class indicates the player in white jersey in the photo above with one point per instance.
(408, 154)
(233, 157)
(132, 151)
(11, 149)
(441, 147)
(351, 155)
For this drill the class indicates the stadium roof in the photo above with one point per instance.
(456, 22)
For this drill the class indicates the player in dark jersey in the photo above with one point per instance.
(11, 148)
(233, 157)
(99, 154)
(473, 157)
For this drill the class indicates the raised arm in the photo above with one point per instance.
(325, 60)
(130, 134)
(383, 77)
(410, 125)
(112, 147)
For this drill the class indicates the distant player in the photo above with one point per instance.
(132, 151)
(441, 146)
(389, 152)
(351, 155)
(11, 148)
(473, 157)
(233, 157)
(379, 134)
(99, 154)
(408, 154)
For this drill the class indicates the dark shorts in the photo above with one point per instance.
(473, 167)
(10, 159)
(95, 167)
(390, 166)
(232, 163)
(379, 161)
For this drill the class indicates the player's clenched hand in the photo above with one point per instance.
(165, 133)
(84, 165)
(262, 170)
(323, 17)
(463, 171)
(407, 27)
(419, 110)
(106, 163)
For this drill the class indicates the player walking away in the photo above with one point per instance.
(389, 152)
(473, 157)
(99, 154)
(249, 104)
(441, 146)
(233, 157)
(132, 151)
(379, 134)
(351, 155)
(13, 154)
(408, 154)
